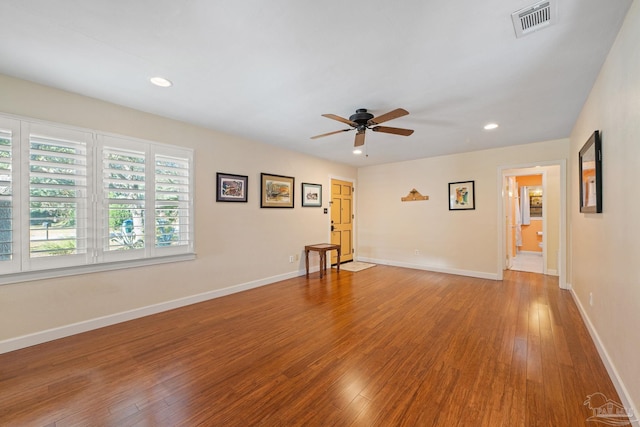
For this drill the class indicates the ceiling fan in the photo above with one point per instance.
(363, 120)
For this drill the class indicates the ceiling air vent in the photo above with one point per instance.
(533, 18)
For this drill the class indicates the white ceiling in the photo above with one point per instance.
(267, 70)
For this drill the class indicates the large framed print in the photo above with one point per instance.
(231, 188)
(590, 165)
(276, 191)
(462, 195)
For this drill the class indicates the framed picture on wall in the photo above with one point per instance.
(535, 202)
(311, 195)
(231, 188)
(462, 195)
(590, 174)
(276, 191)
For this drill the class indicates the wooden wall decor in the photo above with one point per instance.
(413, 196)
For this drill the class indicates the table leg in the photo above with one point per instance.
(306, 261)
(322, 262)
(338, 260)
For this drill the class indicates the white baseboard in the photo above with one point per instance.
(608, 363)
(40, 337)
(469, 273)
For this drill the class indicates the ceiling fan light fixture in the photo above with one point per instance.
(160, 81)
(490, 126)
(363, 120)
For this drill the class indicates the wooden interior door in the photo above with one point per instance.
(342, 219)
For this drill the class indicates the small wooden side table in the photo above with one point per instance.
(322, 249)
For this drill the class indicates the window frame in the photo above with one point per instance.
(23, 267)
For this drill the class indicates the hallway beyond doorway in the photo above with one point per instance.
(528, 261)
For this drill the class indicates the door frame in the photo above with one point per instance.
(353, 211)
(507, 219)
(502, 241)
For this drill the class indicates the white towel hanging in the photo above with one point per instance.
(524, 205)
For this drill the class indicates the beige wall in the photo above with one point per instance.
(605, 248)
(236, 243)
(465, 242)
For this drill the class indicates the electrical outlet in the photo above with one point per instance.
(591, 299)
(290, 258)
(417, 252)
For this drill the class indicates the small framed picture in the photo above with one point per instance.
(311, 195)
(276, 191)
(462, 195)
(231, 188)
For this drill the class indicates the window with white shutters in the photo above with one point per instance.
(74, 201)
(124, 186)
(9, 261)
(172, 201)
(58, 197)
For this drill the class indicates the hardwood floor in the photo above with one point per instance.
(382, 347)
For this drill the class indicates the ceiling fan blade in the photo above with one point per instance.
(395, 131)
(340, 119)
(359, 139)
(330, 133)
(398, 112)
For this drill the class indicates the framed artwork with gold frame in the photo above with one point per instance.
(276, 191)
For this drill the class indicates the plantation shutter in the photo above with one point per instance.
(173, 202)
(124, 186)
(9, 164)
(58, 211)
(74, 201)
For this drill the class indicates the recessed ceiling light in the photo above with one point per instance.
(160, 81)
(357, 151)
(490, 126)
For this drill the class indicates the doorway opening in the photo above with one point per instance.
(527, 218)
(545, 239)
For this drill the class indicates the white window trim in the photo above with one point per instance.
(26, 276)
